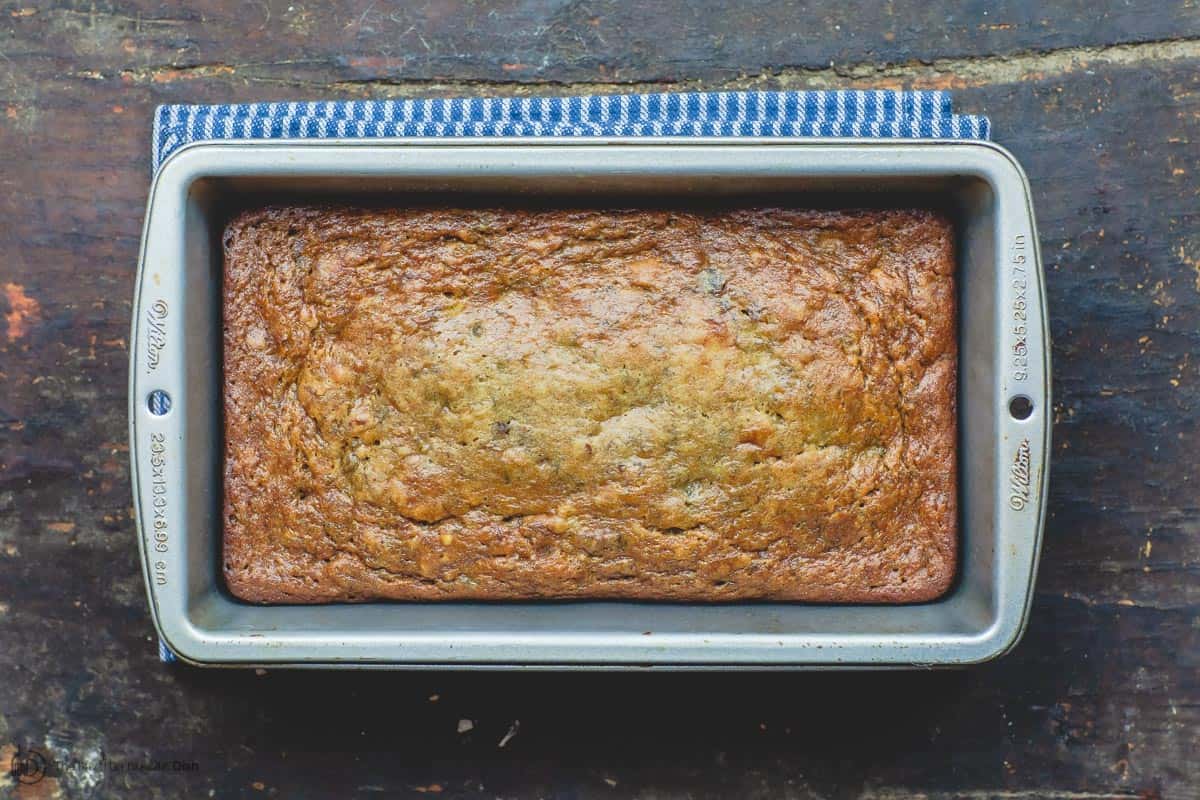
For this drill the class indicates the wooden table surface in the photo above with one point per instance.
(1100, 101)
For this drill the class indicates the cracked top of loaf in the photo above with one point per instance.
(691, 404)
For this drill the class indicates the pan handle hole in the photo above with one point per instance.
(1020, 407)
(159, 402)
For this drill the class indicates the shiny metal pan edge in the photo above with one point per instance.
(1003, 461)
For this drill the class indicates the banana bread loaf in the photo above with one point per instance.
(693, 404)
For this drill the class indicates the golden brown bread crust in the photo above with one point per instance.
(486, 404)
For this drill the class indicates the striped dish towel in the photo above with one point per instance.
(856, 114)
(878, 114)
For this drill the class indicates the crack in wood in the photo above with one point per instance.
(942, 73)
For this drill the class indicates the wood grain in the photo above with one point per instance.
(1102, 698)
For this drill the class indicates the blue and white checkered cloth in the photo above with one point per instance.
(878, 114)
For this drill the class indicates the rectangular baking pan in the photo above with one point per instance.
(176, 455)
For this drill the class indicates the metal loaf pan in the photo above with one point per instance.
(1004, 354)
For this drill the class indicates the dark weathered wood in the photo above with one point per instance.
(1101, 699)
(596, 40)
